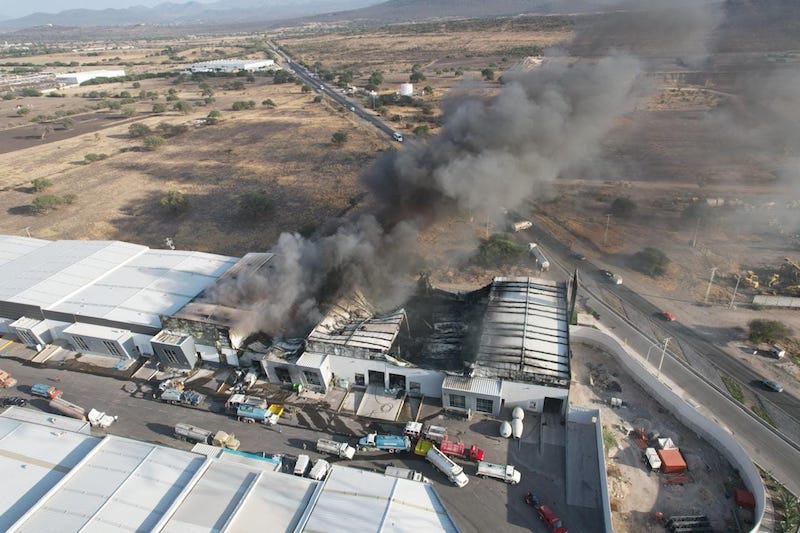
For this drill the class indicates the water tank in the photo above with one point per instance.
(518, 413)
(505, 430)
(406, 89)
(516, 428)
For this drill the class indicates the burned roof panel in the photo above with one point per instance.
(525, 332)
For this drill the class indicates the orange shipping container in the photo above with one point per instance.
(671, 461)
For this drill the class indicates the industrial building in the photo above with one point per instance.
(76, 78)
(231, 65)
(502, 346)
(61, 478)
(103, 297)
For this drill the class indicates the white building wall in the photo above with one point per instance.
(530, 396)
(430, 381)
(207, 353)
(142, 342)
(471, 404)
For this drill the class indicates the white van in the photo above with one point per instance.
(301, 465)
(320, 469)
(397, 136)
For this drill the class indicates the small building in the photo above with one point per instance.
(76, 78)
(474, 395)
(231, 65)
(175, 350)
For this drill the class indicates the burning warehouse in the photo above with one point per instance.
(503, 345)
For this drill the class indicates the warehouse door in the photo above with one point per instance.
(377, 378)
(553, 405)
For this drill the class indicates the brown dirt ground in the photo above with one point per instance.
(635, 493)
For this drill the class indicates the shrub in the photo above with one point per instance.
(153, 142)
(499, 249)
(305, 89)
(175, 202)
(488, 74)
(317, 99)
(239, 106)
(40, 184)
(159, 108)
(139, 130)
(268, 102)
(762, 330)
(422, 130)
(48, 202)
(22, 111)
(254, 205)
(182, 106)
(416, 76)
(30, 92)
(91, 158)
(623, 207)
(339, 138)
(651, 261)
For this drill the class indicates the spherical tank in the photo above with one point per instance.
(505, 430)
(518, 413)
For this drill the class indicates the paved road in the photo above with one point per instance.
(767, 448)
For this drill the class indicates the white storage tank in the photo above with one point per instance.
(518, 413)
(406, 89)
(505, 430)
(516, 428)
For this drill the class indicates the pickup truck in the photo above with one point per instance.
(506, 473)
(389, 443)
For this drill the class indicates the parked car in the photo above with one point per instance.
(772, 385)
(669, 317)
(14, 400)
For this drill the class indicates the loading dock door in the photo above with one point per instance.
(397, 381)
(282, 374)
(377, 378)
(553, 405)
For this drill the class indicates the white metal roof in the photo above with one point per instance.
(375, 502)
(113, 280)
(311, 360)
(485, 386)
(61, 480)
(97, 332)
(525, 331)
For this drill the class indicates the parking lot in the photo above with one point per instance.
(483, 505)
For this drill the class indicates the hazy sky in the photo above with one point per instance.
(15, 9)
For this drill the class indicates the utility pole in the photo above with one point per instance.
(605, 234)
(733, 298)
(696, 228)
(710, 281)
(663, 353)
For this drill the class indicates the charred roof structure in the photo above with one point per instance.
(525, 332)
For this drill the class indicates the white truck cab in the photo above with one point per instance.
(397, 136)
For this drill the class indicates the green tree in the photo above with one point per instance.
(376, 78)
(30, 92)
(128, 111)
(153, 142)
(317, 99)
(427, 89)
(139, 130)
(339, 138)
(136, 85)
(488, 74)
(254, 205)
(283, 76)
(422, 130)
(651, 261)
(762, 330)
(623, 207)
(268, 102)
(239, 106)
(498, 250)
(305, 89)
(458, 72)
(40, 184)
(175, 202)
(159, 108)
(213, 117)
(417, 76)
(182, 106)
(206, 89)
(48, 202)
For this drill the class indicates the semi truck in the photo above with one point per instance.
(99, 419)
(406, 473)
(460, 450)
(506, 473)
(46, 391)
(251, 414)
(195, 434)
(68, 408)
(389, 443)
(236, 400)
(446, 466)
(339, 449)
(181, 397)
(536, 252)
(6, 380)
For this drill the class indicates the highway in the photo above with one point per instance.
(331, 92)
(768, 448)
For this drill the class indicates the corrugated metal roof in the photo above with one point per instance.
(375, 502)
(485, 386)
(311, 360)
(119, 484)
(113, 280)
(351, 323)
(525, 331)
(97, 332)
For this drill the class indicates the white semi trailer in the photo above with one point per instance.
(339, 449)
(446, 466)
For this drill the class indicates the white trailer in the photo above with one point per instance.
(406, 473)
(536, 251)
(652, 459)
(192, 433)
(301, 465)
(100, 419)
(320, 469)
(339, 449)
(507, 473)
(446, 466)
